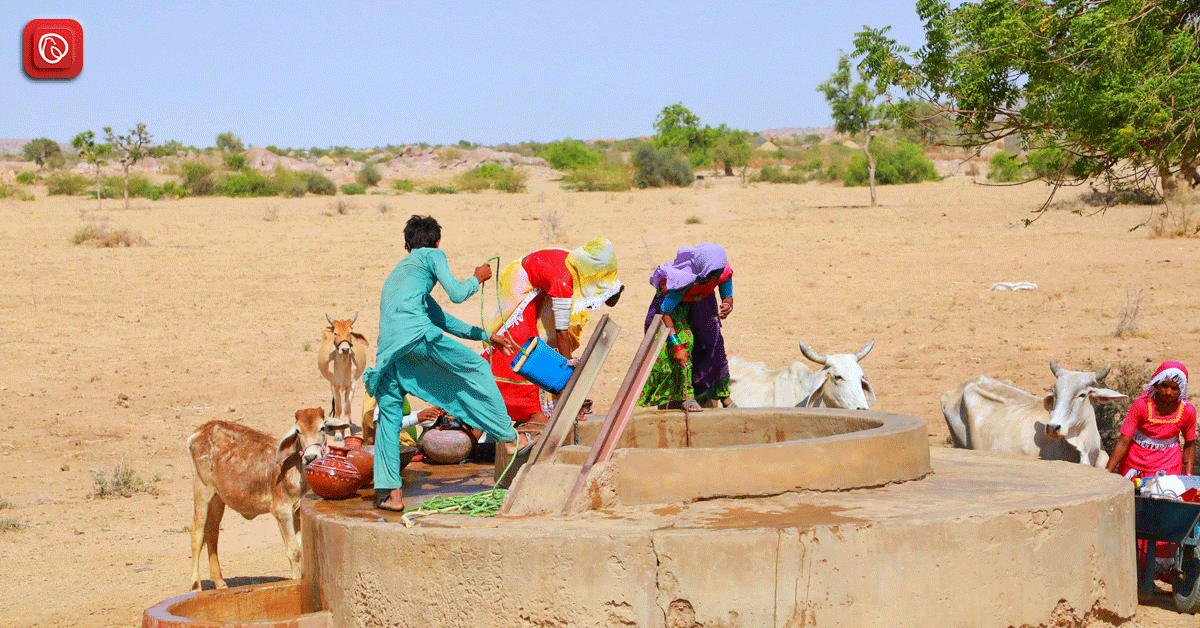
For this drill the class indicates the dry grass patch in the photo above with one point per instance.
(123, 481)
(104, 237)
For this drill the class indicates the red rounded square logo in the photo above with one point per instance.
(52, 49)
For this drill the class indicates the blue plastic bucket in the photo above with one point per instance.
(543, 366)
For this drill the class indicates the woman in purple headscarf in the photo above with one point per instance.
(692, 368)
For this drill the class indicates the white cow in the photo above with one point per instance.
(989, 415)
(838, 384)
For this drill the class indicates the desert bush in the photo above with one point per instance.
(288, 183)
(511, 180)
(67, 184)
(1119, 195)
(246, 183)
(440, 189)
(235, 162)
(472, 180)
(1046, 163)
(1174, 220)
(10, 524)
(775, 174)
(6, 503)
(660, 167)
(12, 191)
(103, 237)
(123, 482)
(320, 184)
(614, 178)
(895, 164)
(171, 188)
(569, 155)
(447, 155)
(28, 178)
(405, 185)
(198, 179)
(369, 176)
(351, 189)
(1004, 168)
(835, 172)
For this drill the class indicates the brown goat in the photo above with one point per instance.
(252, 473)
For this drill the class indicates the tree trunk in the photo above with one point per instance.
(728, 169)
(1167, 180)
(98, 206)
(125, 167)
(870, 166)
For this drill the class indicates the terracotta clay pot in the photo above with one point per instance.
(446, 446)
(364, 462)
(354, 441)
(333, 476)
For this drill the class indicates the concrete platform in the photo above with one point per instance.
(982, 540)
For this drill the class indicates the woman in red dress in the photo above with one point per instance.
(1150, 436)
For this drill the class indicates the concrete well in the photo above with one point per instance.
(924, 538)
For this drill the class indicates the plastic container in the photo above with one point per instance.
(543, 366)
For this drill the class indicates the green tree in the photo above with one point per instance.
(227, 141)
(569, 155)
(861, 107)
(92, 153)
(680, 129)
(1115, 84)
(732, 150)
(129, 149)
(41, 150)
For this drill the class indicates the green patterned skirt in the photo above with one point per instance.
(671, 381)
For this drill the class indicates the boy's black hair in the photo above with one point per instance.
(422, 232)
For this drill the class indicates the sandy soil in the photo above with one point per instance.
(118, 354)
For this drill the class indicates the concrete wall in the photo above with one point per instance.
(983, 540)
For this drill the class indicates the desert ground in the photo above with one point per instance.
(115, 355)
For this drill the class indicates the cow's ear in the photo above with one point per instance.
(335, 423)
(1048, 402)
(868, 391)
(290, 444)
(1105, 395)
(360, 337)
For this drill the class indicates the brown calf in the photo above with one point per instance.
(252, 473)
(342, 360)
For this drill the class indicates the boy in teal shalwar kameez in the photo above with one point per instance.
(415, 357)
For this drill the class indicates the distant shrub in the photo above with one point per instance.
(171, 188)
(511, 180)
(835, 172)
(140, 186)
(247, 183)
(198, 178)
(894, 165)
(1046, 162)
(320, 184)
(369, 176)
(67, 184)
(405, 185)
(1004, 167)
(28, 178)
(569, 155)
(235, 162)
(351, 189)
(440, 189)
(599, 179)
(447, 155)
(775, 174)
(485, 176)
(659, 167)
(12, 191)
(104, 237)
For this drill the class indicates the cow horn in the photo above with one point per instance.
(862, 353)
(1054, 367)
(1102, 373)
(329, 319)
(354, 319)
(812, 355)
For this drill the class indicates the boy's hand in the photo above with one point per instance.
(483, 272)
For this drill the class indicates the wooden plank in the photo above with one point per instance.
(574, 394)
(622, 408)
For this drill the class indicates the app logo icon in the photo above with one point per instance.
(52, 49)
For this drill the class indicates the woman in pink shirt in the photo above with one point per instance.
(1150, 436)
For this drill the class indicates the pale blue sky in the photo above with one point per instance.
(363, 74)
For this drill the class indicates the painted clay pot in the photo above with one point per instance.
(446, 446)
(354, 441)
(333, 476)
(364, 462)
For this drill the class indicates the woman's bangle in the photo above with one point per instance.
(673, 341)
